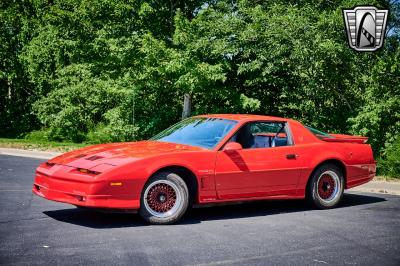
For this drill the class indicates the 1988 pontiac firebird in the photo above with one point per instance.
(210, 159)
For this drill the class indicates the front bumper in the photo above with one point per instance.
(86, 193)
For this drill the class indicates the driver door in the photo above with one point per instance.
(268, 164)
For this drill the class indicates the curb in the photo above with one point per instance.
(379, 187)
(28, 153)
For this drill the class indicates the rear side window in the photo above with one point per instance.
(319, 134)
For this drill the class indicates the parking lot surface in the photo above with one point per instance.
(364, 230)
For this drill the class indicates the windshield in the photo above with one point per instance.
(319, 134)
(197, 131)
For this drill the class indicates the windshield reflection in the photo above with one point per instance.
(197, 131)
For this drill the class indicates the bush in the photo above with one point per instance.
(77, 104)
(115, 129)
(37, 135)
(389, 164)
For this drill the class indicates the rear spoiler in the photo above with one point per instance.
(346, 138)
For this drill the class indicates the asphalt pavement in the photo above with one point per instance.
(364, 230)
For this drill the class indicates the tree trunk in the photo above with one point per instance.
(187, 105)
(9, 89)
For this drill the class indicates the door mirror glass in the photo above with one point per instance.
(232, 146)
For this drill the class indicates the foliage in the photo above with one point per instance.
(17, 93)
(72, 109)
(389, 164)
(379, 115)
(117, 70)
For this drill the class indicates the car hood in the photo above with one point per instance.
(118, 153)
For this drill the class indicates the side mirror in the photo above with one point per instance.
(233, 146)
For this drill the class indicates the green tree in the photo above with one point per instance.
(17, 93)
(115, 70)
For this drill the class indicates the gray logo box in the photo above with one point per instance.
(365, 27)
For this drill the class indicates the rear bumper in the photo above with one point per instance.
(365, 173)
(85, 194)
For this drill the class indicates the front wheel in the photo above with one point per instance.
(326, 187)
(165, 199)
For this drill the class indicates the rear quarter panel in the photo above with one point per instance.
(356, 158)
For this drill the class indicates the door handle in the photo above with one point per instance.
(291, 156)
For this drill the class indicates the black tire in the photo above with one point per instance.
(326, 186)
(164, 199)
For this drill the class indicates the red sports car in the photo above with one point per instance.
(210, 159)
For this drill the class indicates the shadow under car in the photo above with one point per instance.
(102, 220)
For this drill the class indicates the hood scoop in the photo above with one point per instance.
(94, 158)
(91, 158)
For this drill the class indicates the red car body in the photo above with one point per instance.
(114, 175)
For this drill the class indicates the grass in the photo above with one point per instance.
(386, 178)
(28, 144)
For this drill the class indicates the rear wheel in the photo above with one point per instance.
(326, 187)
(165, 199)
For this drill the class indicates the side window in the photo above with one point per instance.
(262, 135)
